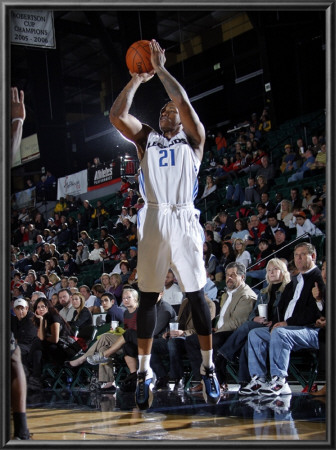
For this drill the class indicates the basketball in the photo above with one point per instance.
(138, 57)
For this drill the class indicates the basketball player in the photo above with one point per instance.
(169, 232)
(18, 377)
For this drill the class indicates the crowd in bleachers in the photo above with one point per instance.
(257, 201)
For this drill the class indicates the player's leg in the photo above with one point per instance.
(146, 321)
(202, 322)
(18, 396)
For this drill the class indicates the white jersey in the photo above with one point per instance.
(169, 233)
(169, 170)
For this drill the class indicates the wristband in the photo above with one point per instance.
(17, 119)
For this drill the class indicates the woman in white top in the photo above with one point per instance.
(210, 187)
(285, 213)
(241, 231)
(95, 254)
(242, 255)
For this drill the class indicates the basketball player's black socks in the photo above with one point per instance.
(20, 425)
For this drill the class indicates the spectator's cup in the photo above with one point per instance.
(173, 327)
(262, 308)
(114, 324)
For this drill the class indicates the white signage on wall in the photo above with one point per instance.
(74, 184)
(33, 28)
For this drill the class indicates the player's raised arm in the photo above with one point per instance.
(189, 118)
(128, 125)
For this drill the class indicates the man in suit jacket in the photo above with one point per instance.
(236, 304)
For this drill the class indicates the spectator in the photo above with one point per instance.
(99, 215)
(172, 293)
(309, 196)
(309, 161)
(63, 238)
(267, 170)
(265, 199)
(82, 254)
(209, 189)
(281, 248)
(82, 316)
(85, 220)
(67, 311)
(273, 224)
(172, 344)
(236, 305)
(70, 266)
(258, 270)
(125, 271)
(90, 299)
(256, 229)
(121, 257)
(210, 260)
(96, 254)
(55, 287)
(291, 330)
(320, 163)
(295, 198)
(85, 238)
(285, 214)
(111, 308)
(215, 246)
(54, 266)
(52, 330)
(304, 225)
(116, 286)
(25, 334)
(251, 194)
(105, 281)
(242, 255)
(262, 213)
(133, 259)
(106, 340)
(226, 224)
(262, 185)
(277, 278)
(228, 256)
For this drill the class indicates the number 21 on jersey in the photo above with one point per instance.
(167, 157)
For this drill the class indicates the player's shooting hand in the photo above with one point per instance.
(158, 57)
(18, 109)
(143, 77)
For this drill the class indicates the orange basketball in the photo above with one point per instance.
(138, 57)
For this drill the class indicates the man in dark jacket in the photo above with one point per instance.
(295, 329)
(25, 332)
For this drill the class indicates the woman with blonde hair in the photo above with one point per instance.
(242, 255)
(105, 281)
(277, 277)
(82, 317)
(285, 213)
(116, 286)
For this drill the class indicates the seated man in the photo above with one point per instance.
(128, 343)
(236, 304)
(294, 330)
(172, 345)
(277, 278)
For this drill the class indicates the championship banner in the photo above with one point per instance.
(33, 28)
(103, 175)
(73, 184)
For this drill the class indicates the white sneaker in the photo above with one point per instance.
(276, 387)
(253, 387)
